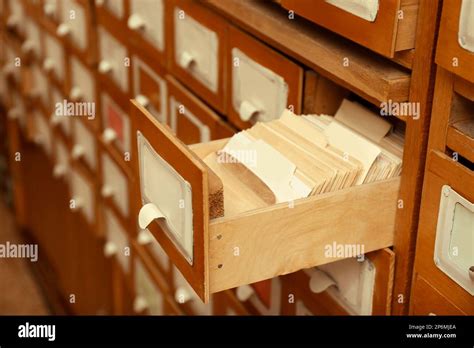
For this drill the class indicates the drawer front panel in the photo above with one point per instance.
(197, 42)
(262, 83)
(82, 82)
(54, 57)
(148, 17)
(113, 56)
(74, 23)
(85, 146)
(455, 50)
(83, 198)
(149, 84)
(115, 122)
(117, 244)
(115, 184)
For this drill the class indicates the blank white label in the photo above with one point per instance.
(365, 9)
(466, 25)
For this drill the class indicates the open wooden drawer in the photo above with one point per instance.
(217, 250)
(385, 26)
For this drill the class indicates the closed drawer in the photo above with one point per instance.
(197, 41)
(455, 50)
(147, 25)
(382, 26)
(444, 253)
(115, 126)
(41, 87)
(190, 119)
(114, 60)
(76, 26)
(262, 298)
(262, 83)
(83, 88)
(62, 166)
(52, 10)
(56, 107)
(42, 132)
(115, 185)
(32, 44)
(116, 239)
(85, 145)
(149, 88)
(15, 21)
(157, 254)
(150, 287)
(355, 286)
(428, 301)
(83, 199)
(204, 244)
(186, 298)
(54, 61)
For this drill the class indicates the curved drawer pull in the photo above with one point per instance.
(148, 213)
(244, 292)
(109, 135)
(182, 295)
(110, 249)
(63, 30)
(140, 304)
(28, 46)
(59, 171)
(49, 9)
(107, 191)
(48, 64)
(142, 100)
(247, 110)
(75, 94)
(136, 22)
(186, 60)
(320, 281)
(77, 152)
(105, 67)
(144, 237)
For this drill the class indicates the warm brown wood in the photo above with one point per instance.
(441, 170)
(213, 22)
(416, 135)
(460, 138)
(370, 76)
(270, 59)
(301, 241)
(464, 88)
(321, 96)
(195, 172)
(187, 131)
(449, 54)
(428, 301)
(225, 303)
(385, 35)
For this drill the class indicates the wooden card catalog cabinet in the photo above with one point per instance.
(149, 88)
(197, 43)
(262, 83)
(455, 50)
(384, 26)
(147, 23)
(204, 214)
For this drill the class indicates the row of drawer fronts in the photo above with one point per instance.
(382, 26)
(445, 235)
(455, 50)
(213, 267)
(352, 286)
